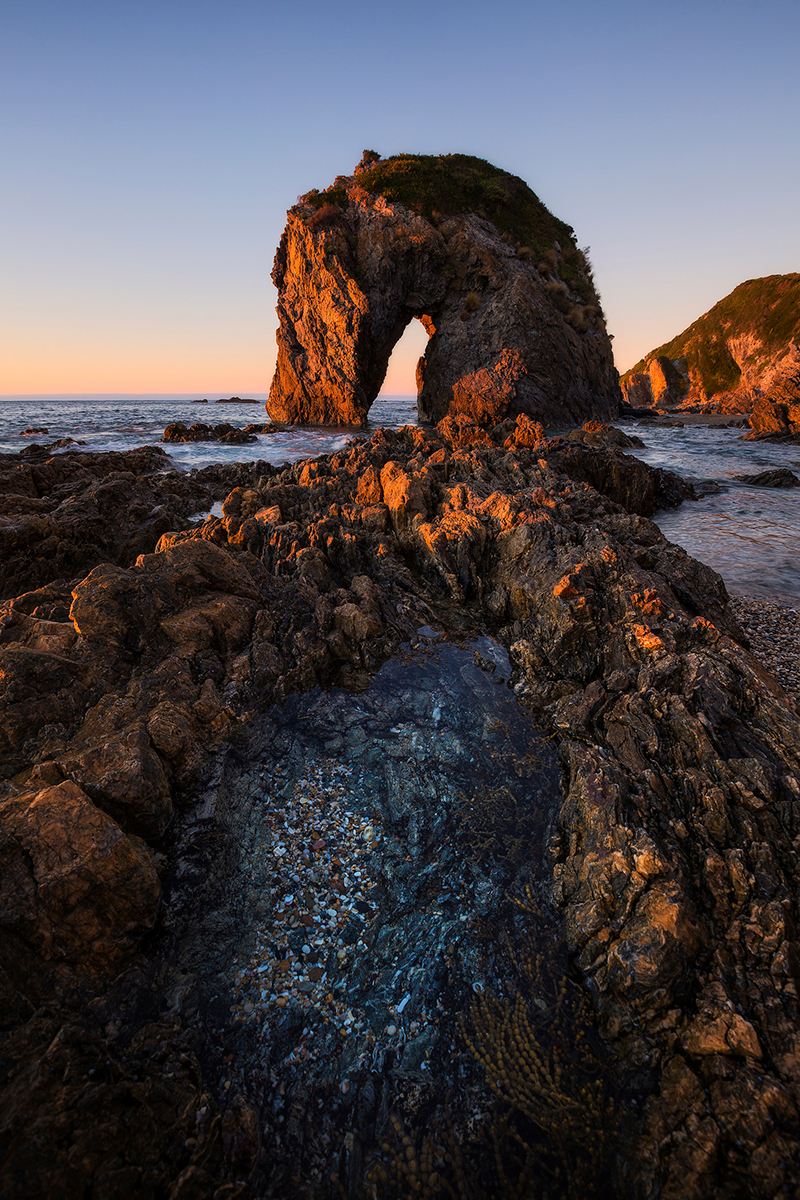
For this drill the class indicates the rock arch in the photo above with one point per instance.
(514, 326)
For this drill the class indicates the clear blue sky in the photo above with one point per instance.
(151, 149)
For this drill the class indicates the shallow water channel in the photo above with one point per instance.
(369, 846)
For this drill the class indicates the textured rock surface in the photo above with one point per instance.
(661, 385)
(672, 862)
(744, 352)
(64, 513)
(229, 435)
(776, 413)
(508, 334)
(781, 477)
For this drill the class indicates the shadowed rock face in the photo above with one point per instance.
(512, 328)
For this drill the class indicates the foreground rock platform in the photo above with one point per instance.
(65, 513)
(498, 282)
(137, 696)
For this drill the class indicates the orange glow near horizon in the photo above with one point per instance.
(401, 374)
(67, 370)
(68, 366)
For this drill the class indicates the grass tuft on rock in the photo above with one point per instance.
(440, 185)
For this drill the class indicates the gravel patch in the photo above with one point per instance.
(774, 632)
(320, 848)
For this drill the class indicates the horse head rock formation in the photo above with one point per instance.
(498, 282)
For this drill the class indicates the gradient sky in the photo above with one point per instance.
(150, 149)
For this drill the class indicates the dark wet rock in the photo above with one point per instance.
(513, 328)
(227, 434)
(595, 433)
(238, 400)
(628, 410)
(33, 431)
(706, 487)
(75, 888)
(670, 860)
(42, 449)
(67, 1119)
(779, 477)
(64, 514)
(623, 478)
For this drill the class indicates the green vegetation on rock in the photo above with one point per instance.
(443, 185)
(766, 310)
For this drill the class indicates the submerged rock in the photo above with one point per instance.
(227, 434)
(779, 477)
(500, 285)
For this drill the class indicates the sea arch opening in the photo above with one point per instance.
(401, 383)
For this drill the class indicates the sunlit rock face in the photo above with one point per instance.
(499, 284)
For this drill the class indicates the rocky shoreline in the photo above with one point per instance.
(170, 727)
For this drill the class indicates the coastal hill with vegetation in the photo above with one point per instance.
(738, 351)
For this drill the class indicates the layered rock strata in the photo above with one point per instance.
(776, 413)
(512, 329)
(672, 861)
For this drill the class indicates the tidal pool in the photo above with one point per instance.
(374, 843)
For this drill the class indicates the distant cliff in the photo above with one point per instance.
(498, 282)
(730, 358)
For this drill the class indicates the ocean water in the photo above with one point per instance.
(124, 422)
(750, 535)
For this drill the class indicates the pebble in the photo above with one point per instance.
(774, 632)
(321, 814)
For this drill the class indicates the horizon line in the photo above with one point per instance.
(120, 395)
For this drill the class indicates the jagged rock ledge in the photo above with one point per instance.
(65, 513)
(672, 862)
